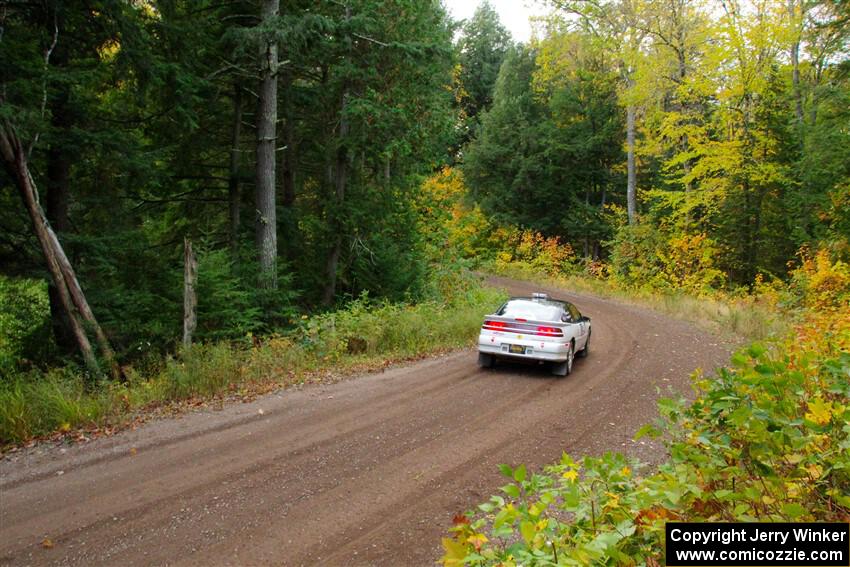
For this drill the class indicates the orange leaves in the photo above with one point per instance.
(465, 540)
(823, 281)
(526, 247)
(477, 540)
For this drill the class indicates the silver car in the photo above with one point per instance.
(535, 328)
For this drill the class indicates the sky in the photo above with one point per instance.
(513, 13)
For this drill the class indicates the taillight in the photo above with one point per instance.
(550, 332)
(495, 325)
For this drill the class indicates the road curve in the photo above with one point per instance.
(368, 471)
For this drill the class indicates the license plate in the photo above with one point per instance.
(516, 349)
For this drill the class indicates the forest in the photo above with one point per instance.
(346, 157)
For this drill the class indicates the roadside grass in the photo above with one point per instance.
(360, 337)
(750, 317)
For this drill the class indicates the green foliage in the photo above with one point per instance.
(482, 46)
(543, 157)
(766, 440)
(645, 257)
(24, 324)
(230, 305)
(133, 121)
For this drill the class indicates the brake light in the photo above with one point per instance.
(520, 320)
(495, 325)
(550, 332)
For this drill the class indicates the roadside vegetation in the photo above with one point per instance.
(366, 335)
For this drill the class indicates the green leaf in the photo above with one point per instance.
(793, 510)
(527, 530)
(647, 430)
(511, 490)
(519, 473)
(756, 350)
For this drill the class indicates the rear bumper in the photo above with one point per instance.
(535, 350)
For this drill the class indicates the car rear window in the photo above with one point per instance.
(528, 309)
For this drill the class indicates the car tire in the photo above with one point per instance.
(586, 350)
(486, 360)
(564, 368)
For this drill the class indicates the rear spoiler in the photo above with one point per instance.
(527, 326)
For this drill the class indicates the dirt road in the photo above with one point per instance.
(365, 472)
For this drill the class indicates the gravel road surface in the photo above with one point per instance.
(368, 471)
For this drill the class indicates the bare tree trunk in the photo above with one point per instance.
(795, 77)
(234, 187)
(15, 161)
(795, 69)
(341, 182)
(631, 197)
(587, 207)
(388, 171)
(752, 204)
(58, 196)
(266, 222)
(190, 298)
(288, 172)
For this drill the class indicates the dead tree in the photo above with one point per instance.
(62, 274)
(190, 297)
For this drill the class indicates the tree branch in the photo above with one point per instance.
(47, 55)
(381, 43)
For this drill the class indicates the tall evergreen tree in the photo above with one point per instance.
(483, 44)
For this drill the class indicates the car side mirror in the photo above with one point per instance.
(586, 319)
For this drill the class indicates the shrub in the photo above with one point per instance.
(822, 281)
(548, 255)
(24, 324)
(643, 256)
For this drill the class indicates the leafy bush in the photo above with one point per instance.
(767, 440)
(822, 281)
(449, 223)
(532, 250)
(643, 256)
(24, 323)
